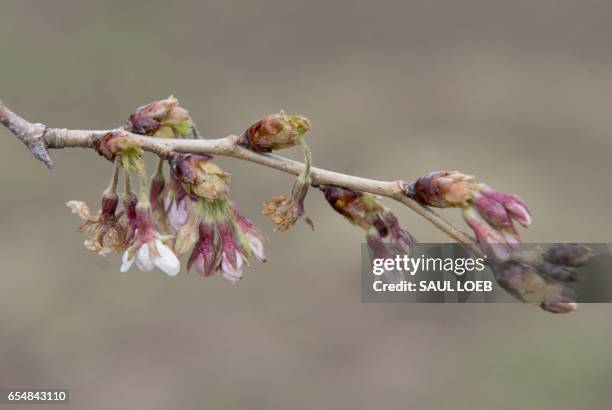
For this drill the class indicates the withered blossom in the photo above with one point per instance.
(107, 233)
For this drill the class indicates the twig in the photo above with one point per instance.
(38, 138)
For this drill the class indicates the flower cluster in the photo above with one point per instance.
(365, 210)
(189, 210)
(490, 214)
(207, 221)
(540, 276)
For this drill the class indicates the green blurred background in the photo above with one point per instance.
(516, 92)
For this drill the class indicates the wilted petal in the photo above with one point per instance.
(80, 208)
(166, 260)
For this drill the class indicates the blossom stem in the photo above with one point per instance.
(127, 183)
(144, 184)
(112, 188)
(305, 175)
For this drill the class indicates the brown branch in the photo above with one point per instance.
(38, 138)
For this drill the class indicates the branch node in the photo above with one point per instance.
(35, 142)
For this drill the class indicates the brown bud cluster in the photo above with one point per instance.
(366, 211)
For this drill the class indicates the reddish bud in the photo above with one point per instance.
(163, 118)
(276, 131)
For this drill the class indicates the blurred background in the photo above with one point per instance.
(515, 92)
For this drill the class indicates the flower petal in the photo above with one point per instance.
(232, 273)
(126, 261)
(166, 260)
(143, 259)
(257, 247)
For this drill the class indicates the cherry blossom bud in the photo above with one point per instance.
(442, 189)
(514, 205)
(200, 176)
(276, 131)
(158, 183)
(163, 118)
(525, 283)
(488, 212)
(492, 239)
(568, 254)
(370, 214)
(129, 205)
(118, 142)
(556, 272)
(204, 257)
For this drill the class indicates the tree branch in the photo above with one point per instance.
(38, 138)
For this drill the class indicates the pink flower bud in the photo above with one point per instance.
(490, 238)
(512, 203)
(493, 211)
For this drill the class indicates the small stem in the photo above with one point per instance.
(159, 172)
(144, 184)
(112, 187)
(127, 183)
(307, 161)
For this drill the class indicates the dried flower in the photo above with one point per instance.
(163, 118)
(107, 233)
(489, 213)
(284, 211)
(276, 131)
(370, 214)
